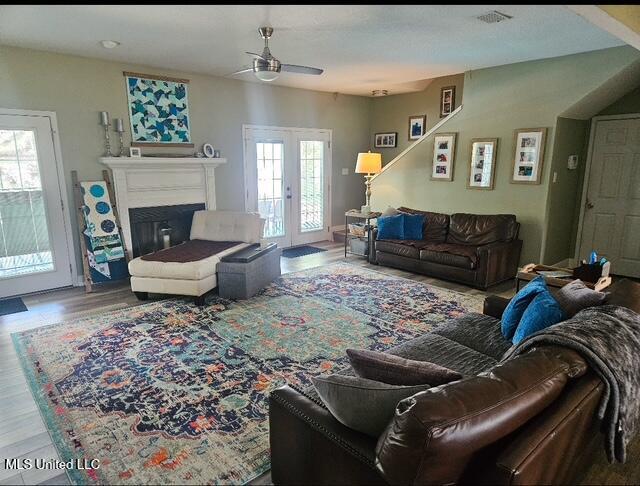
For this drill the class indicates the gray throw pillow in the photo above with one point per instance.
(576, 296)
(395, 370)
(390, 211)
(363, 405)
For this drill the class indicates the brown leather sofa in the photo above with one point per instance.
(528, 420)
(475, 249)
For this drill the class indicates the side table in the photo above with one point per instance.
(530, 271)
(364, 241)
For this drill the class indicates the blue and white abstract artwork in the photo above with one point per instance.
(158, 110)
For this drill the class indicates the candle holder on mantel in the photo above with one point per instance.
(118, 127)
(104, 121)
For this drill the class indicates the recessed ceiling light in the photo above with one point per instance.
(109, 44)
(379, 92)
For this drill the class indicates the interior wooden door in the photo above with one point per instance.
(612, 208)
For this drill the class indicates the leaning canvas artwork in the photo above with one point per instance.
(158, 110)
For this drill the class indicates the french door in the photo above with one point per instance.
(34, 249)
(287, 180)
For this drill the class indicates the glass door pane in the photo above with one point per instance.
(24, 236)
(311, 185)
(270, 165)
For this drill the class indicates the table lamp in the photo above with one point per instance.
(368, 163)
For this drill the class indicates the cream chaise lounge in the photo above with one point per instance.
(190, 268)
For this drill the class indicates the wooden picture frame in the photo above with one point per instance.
(385, 140)
(447, 100)
(528, 155)
(444, 155)
(417, 126)
(482, 163)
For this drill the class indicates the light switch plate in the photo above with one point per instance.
(345, 171)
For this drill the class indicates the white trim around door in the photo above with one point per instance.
(291, 149)
(68, 252)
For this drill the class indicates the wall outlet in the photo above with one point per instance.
(572, 162)
(345, 171)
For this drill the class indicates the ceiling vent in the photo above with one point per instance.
(493, 17)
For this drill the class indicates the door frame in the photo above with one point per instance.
(76, 280)
(587, 170)
(245, 166)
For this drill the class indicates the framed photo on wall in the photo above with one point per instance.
(482, 163)
(385, 140)
(447, 100)
(417, 124)
(444, 152)
(528, 155)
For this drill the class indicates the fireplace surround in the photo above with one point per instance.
(156, 182)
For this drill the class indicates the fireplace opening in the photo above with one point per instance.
(159, 227)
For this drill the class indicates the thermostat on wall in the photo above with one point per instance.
(572, 162)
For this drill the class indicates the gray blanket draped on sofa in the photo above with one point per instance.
(608, 337)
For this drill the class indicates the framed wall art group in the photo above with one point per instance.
(526, 168)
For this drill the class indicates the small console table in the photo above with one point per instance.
(363, 241)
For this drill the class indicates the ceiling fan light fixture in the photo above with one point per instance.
(267, 75)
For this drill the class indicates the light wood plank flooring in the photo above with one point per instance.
(22, 431)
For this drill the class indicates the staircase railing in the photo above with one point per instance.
(417, 142)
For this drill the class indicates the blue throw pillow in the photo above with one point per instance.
(515, 309)
(542, 312)
(412, 226)
(391, 227)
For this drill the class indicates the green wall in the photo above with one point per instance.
(629, 103)
(391, 113)
(563, 201)
(496, 102)
(77, 88)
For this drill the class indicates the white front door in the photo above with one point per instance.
(612, 207)
(287, 180)
(34, 251)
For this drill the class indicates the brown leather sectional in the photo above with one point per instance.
(474, 249)
(528, 420)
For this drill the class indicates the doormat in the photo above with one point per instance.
(299, 251)
(12, 306)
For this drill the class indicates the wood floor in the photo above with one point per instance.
(23, 433)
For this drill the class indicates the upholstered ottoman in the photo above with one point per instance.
(243, 274)
(191, 267)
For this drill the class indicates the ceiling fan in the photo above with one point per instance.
(267, 68)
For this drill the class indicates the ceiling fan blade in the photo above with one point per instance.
(259, 56)
(241, 71)
(295, 68)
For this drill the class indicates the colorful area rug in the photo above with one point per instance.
(168, 392)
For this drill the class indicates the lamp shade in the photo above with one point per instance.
(368, 163)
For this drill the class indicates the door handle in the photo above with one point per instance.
(589, 204)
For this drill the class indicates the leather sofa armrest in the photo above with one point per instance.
(497, 262)
(494, 306)
(309, 446)
(435, 434)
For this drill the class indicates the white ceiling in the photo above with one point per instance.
(361, 47)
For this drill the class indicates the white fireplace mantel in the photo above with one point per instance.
(141, 182)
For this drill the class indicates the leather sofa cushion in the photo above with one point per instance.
(404, 248)
(435, 434)
(435, 226)
(481, 229)
(461, 256)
